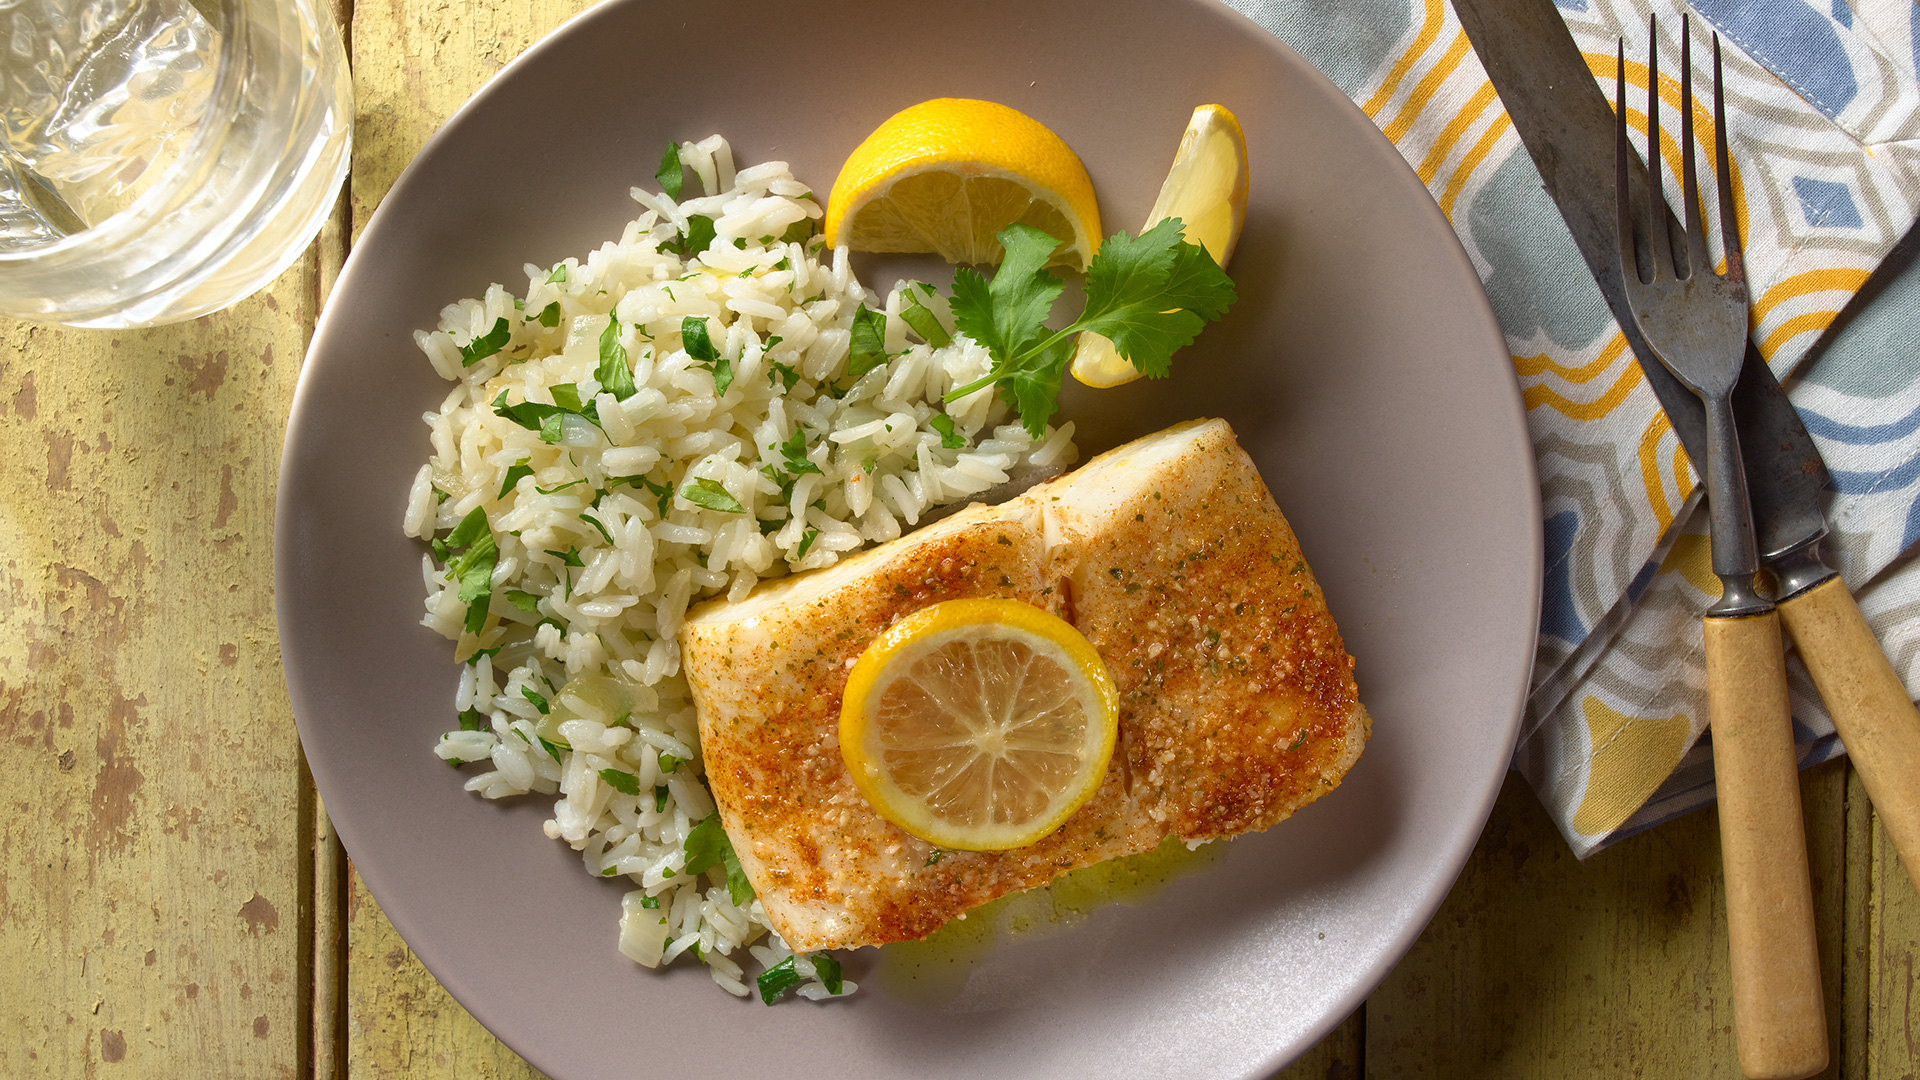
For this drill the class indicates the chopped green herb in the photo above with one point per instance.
(552, 749)
(569, 557)
(473, 720)
(482, 347)
(1299, 741)
(783, 375)
(651, 903)
(660, 794)
(707, 846)
(560, 487)
(513, 474)
(1148, 294)
(473, 567)
(828, 971)
(621, 781)
(799, 232)
(668, 762)
(614, 374)
(949, 438)
(705, 492)
(550, 315)
(806, 541)
(670, 174)
(693, 338)
(777, 980)
(608, 872)
(598, 527)
(935, 856)
(539, 700)
(697, 239)
(663, 495)
(558, 276)
(925, 323)
(868, 345)
(566, 395)
(794, 450)
(523, 600)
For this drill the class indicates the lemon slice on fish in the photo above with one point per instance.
(979, 725)
(1207, 190)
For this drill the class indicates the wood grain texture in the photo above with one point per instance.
(1539, 965)
(154, 891)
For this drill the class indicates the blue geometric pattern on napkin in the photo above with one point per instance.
(1827, 205)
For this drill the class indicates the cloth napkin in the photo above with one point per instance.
(1824, 126)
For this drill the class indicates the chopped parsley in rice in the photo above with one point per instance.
(709, 401)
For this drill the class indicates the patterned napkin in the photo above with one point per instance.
(1824, 126)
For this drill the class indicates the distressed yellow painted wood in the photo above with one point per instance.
(1882, 998)
(1538, 965)
(153, 871)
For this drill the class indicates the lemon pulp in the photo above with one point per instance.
(979, 725)
(946, 175)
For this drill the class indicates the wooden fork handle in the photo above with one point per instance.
(1869, 705)
(1780, 1023)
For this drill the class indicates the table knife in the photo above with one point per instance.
(1564, 120)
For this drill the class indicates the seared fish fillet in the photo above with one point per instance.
(1237, 699)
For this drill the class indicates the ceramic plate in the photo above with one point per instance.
(1362, 368)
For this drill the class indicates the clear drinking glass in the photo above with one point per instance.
(163, 158)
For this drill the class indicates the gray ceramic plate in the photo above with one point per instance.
(1362, 368)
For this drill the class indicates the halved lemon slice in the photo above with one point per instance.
(947, 175)
(979, 725)
(1207, 190)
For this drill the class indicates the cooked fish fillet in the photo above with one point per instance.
(1237, 698)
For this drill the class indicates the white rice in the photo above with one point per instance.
(595, 642)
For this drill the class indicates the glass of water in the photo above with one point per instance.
(163, 158)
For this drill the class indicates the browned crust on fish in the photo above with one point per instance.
(1237, 698)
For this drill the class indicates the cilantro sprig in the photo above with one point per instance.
(471, 554)
(1149, 294)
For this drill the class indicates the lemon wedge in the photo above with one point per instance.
(1207, 190)
(979, 725)
(947, 175)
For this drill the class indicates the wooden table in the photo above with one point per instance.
(173, 905)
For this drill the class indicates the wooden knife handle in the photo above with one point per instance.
(1779, 1013)
(1869, 705)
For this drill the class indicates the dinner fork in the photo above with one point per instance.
(1694, 320)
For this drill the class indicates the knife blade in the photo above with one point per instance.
(1563, 118)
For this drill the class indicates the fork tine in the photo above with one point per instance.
(1661, 255)
(1622, 149)
(1723, 170)
(1698, 261)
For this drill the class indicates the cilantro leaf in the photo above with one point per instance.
(621, 781)
(558, 276)
(670, 174)
(523, 600)
(1009, 314)
(482, 347)
(599, 527)
(539, 700)
(614, 374)
(550, 315)
(708, 493)
(806, 541)
(1152, 293)
(779, 373)
(697, 239)
(473, 720)
(868, 347)
(566, 396)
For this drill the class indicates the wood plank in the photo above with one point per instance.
(401, 1021)
(1539, 965)
(1888, 956)
(153, 868)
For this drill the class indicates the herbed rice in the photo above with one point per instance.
(573, 685)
